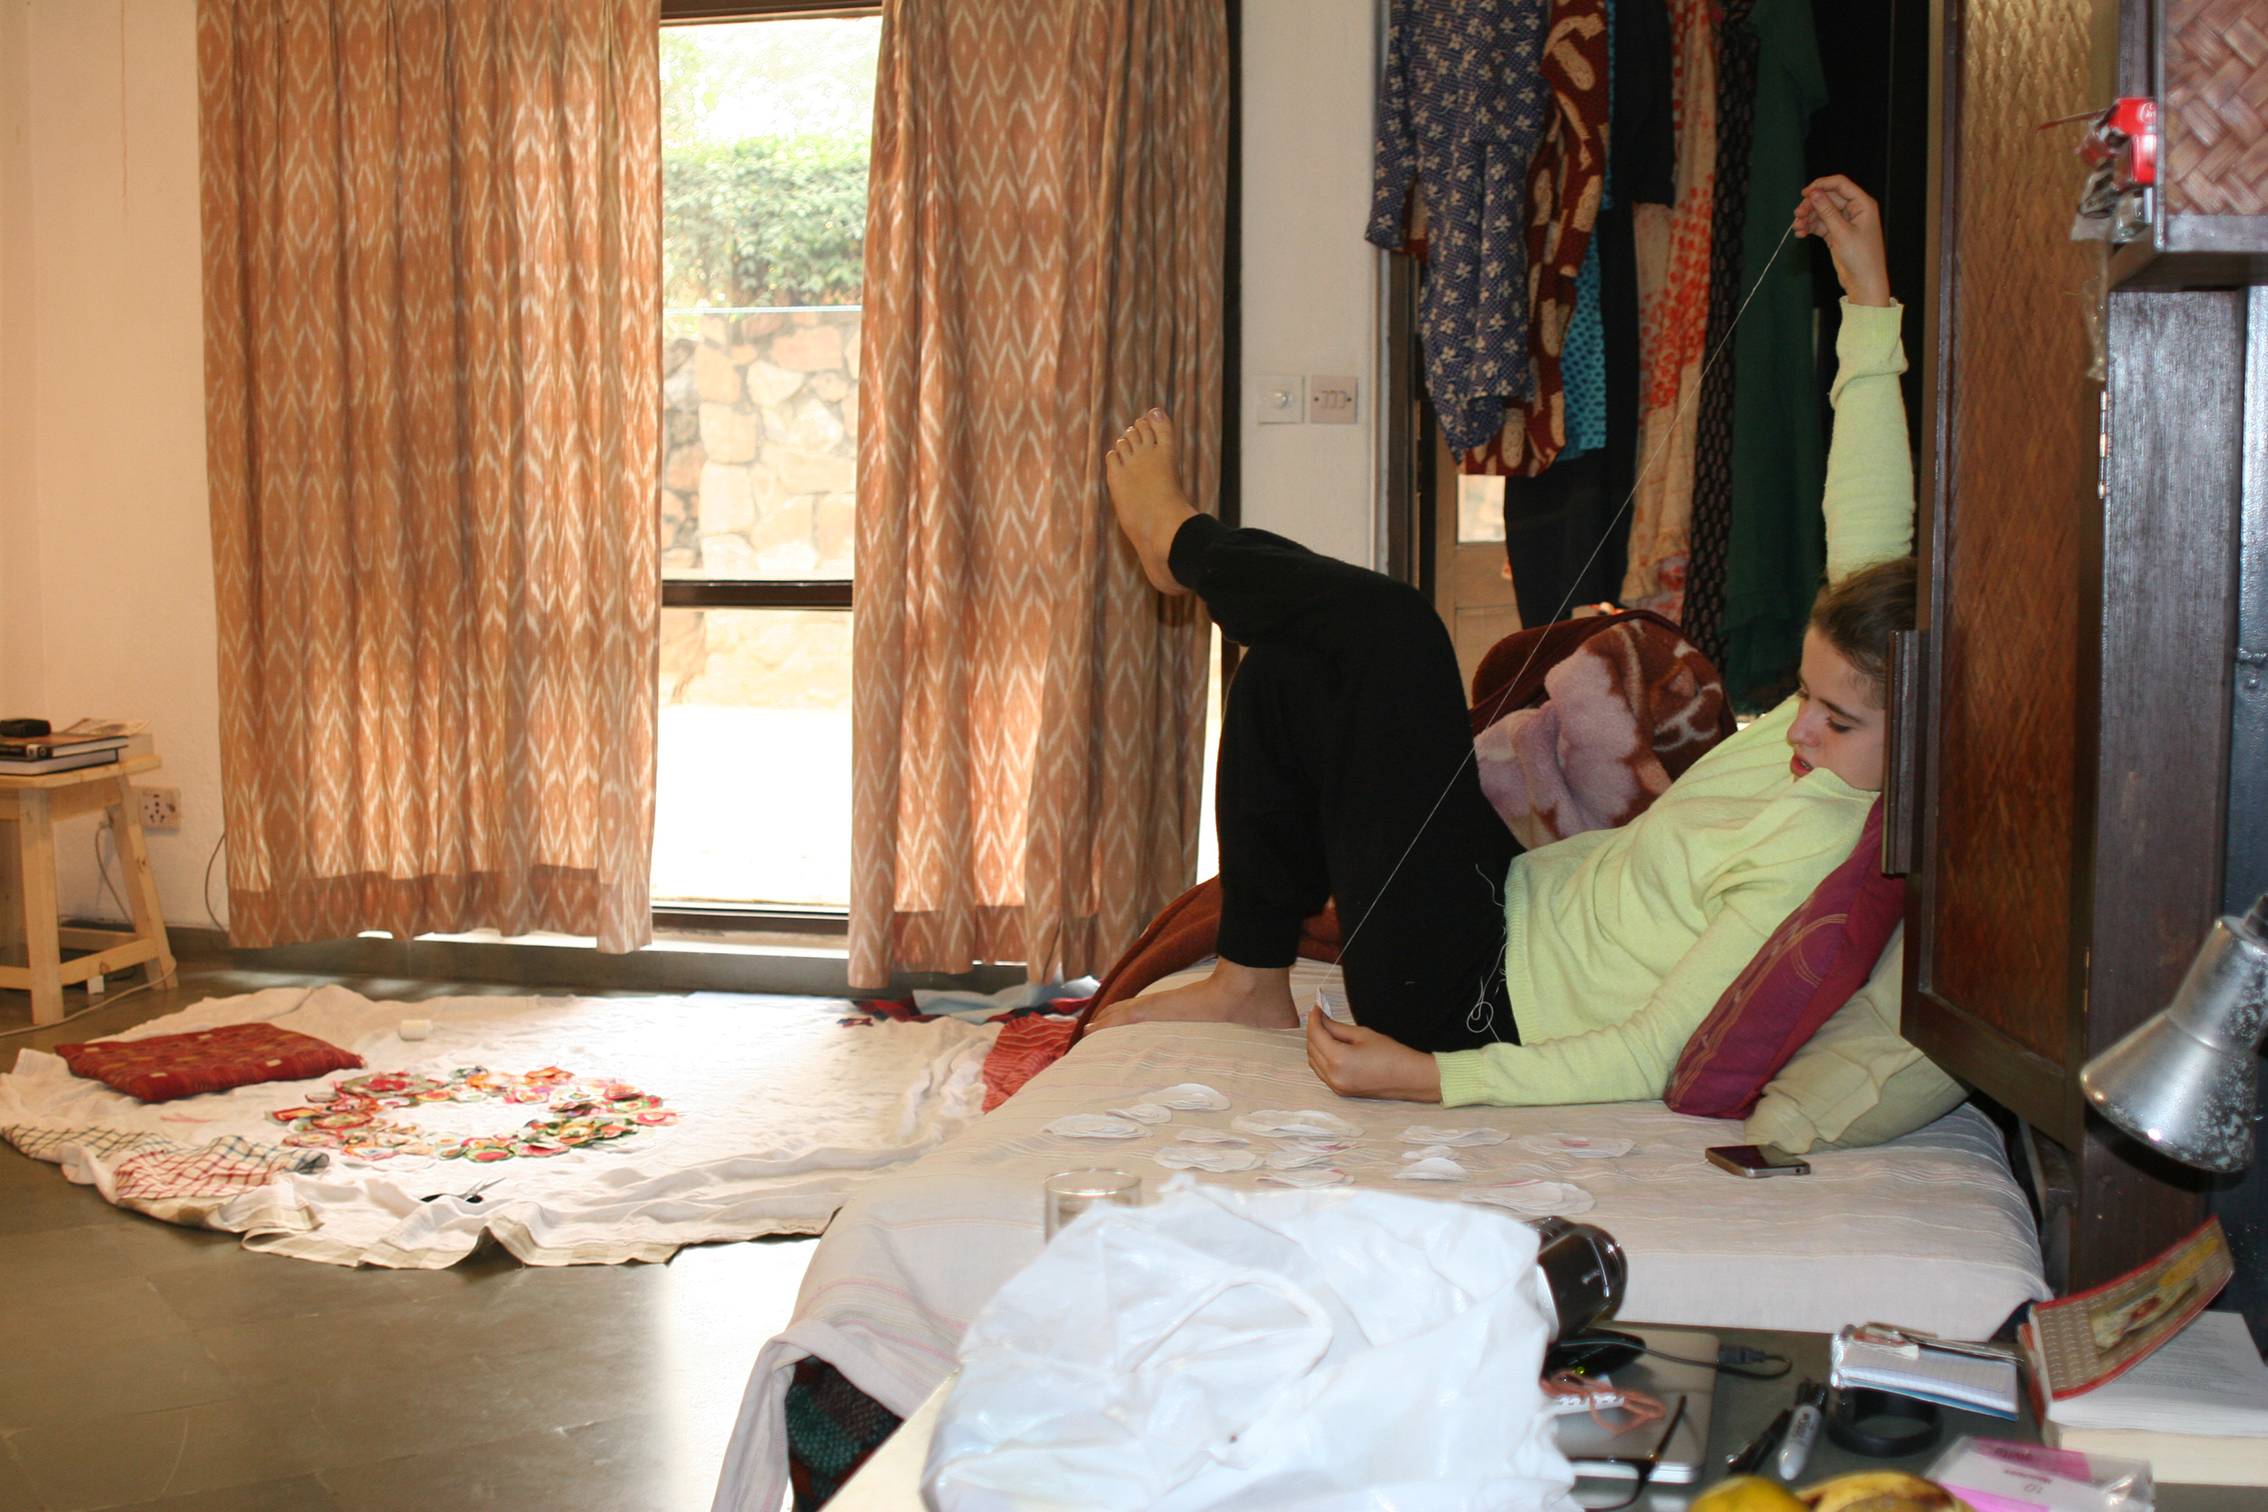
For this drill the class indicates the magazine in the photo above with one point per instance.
(2079, 1342)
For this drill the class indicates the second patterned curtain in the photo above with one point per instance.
(1044, 261)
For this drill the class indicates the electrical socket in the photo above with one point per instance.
(160, 807)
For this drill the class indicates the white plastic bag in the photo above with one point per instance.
(1325, 1351)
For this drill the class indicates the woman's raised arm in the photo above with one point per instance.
(1869, 498)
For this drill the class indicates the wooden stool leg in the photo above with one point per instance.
(35, 839)
(141, 881)
(11, 889)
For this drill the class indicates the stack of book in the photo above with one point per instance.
(2196, 1409)
(101, 744)
(2138, 1369)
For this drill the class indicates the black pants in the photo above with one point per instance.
(1345, 774)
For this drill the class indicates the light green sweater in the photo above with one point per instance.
(1620, 941)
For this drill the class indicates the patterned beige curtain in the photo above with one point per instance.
(432, 299)
(1043, 261)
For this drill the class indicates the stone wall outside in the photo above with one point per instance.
(760, 420)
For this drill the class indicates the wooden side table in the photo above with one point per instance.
(32, 805)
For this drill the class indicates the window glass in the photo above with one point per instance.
(1480, 510)
(765, 144)
(765, 129)
(753, 793)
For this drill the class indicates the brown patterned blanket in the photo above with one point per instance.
(1622, 713)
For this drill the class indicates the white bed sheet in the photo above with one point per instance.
(784, 1111)
(1930, 1231)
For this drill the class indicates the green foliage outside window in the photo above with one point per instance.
(764, 161)
(764, 221)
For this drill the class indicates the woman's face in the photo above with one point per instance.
(1838, 727)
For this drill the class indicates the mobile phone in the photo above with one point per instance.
(1757, 1160)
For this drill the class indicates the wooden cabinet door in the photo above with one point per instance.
(2078, 520)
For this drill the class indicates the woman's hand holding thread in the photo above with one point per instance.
(1847, 217)
(1358, 1062)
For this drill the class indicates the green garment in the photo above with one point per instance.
(1773, 552)
(1620, 941)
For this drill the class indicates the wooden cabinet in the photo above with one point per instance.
(2083, 466)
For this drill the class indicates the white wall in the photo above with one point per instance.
(1310, 282)
(106, 584)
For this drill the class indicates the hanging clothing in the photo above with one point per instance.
(1582, 359)
(1460, 111)
(1640, 151)
(1582, 362)
(1618, 327)
(1711, 523)
(1672, 250)
(1566, 533)
(1642, 145)
(1565, 182)
(1777, 547)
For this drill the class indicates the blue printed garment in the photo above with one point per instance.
(1461, 109)
(1582, 363)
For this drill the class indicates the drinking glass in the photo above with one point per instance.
(1070, 1193)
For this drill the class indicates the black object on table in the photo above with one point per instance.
(1882, 1424)
(1751, 1457)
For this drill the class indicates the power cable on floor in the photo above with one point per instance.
(207, 889)
(106, 1001)
(102, 869)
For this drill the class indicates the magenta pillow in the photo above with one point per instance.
(1813, 964)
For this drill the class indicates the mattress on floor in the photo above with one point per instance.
(1930, 1231)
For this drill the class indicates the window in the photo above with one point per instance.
(765, 127)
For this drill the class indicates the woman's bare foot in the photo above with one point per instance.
(1233, 994)
(1143, 469)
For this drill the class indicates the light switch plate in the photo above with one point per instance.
(1283, 399)
(1330, 401)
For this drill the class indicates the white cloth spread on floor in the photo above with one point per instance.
(1930, 1230)
(783, 1112)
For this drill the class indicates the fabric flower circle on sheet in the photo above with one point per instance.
(344, 1116)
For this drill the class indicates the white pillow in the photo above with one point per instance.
(1855, 1082)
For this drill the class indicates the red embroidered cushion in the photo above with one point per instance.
(166, 1066)
(1814, 962)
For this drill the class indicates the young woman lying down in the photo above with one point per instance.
(1479, 972)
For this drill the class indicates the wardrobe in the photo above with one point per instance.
(2082, 726)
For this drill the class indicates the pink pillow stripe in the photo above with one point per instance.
(1814, 962)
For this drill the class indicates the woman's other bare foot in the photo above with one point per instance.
(1233, 994)
(1143, 468)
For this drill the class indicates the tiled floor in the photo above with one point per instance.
(143, 1365)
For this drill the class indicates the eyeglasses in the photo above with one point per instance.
(1610, 1497)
